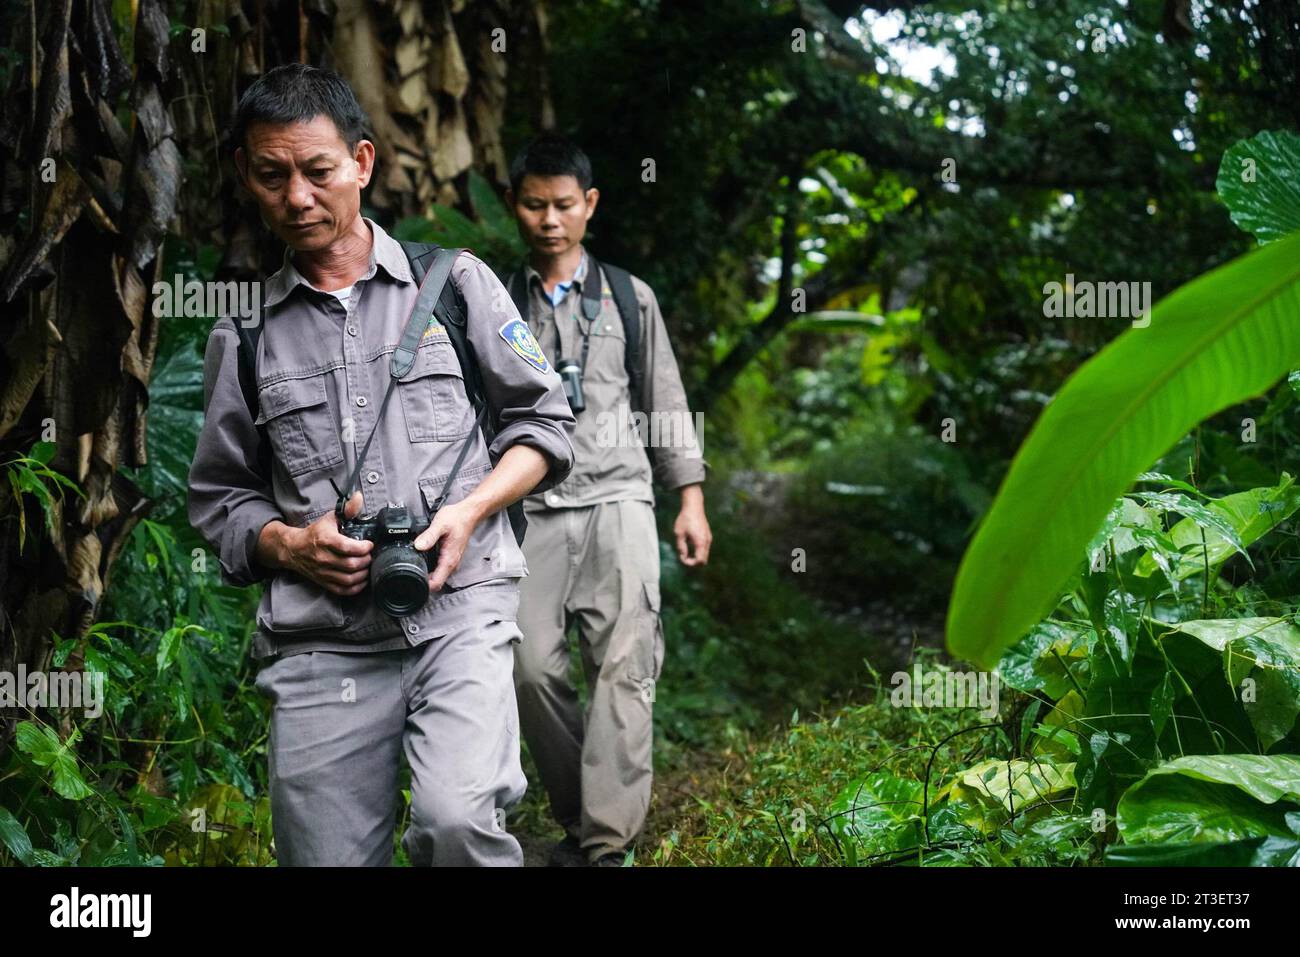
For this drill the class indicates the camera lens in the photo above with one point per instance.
(399, 578)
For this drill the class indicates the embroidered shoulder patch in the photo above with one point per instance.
(520, 338)
(434, 328)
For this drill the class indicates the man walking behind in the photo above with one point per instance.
(592, 545)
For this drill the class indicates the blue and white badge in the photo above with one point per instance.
(520, 338)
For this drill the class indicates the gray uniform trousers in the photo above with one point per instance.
(597, 565)
(338, 722)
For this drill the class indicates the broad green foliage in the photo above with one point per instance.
(175, 417)
(1251, 852)
(1217, 340)
(14, 836)
(1261, 658)
(1257, 180)
(1012, 786)
(881, 811)
(1212, 533)
(1150, 676)
(1220, 339)
(491, 235)
(1217, 798)
(59, 757)
(1048, 659)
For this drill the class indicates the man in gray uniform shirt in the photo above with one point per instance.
(352, 686)
(592, 538)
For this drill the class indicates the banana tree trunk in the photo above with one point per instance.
(94, 146)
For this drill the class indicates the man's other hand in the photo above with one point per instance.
(450, 531)
(692, 528)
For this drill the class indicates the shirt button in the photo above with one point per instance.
(608, 327)
(352, 330)
(413, 628)
(361, 400)
(372, 477)
(552, 499)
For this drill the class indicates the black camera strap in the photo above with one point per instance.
(590, 306)
(591, 291)
(460, 460)
(402, 362)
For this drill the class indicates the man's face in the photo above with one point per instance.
(552, 212)
(306, 181)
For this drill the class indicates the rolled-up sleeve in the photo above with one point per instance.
(527, 393)
(229, 500)
(681, 461)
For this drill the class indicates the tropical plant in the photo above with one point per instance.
(1117, 616)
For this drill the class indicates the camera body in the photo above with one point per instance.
(570, 372)
(399, 573)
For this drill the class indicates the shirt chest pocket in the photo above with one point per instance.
(433, 395)
(606, 352)
(297, 415)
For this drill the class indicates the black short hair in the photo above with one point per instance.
(294, 93)
(551, 154)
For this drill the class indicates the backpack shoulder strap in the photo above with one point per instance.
(419, 256)
(249, 336)
(518, 288)
(629, 310)
(453, 311)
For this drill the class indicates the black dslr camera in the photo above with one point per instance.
(399, 572)
(570, 371)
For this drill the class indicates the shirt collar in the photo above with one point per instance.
(579, 275)
(385, 253)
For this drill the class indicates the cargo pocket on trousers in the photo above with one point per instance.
(650, 643)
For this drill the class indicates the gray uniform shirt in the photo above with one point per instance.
(611, 465)
(322, 370)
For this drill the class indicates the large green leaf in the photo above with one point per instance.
(1218, 633)
(1218, 340)
(1267, 650)
(880, 812)
(175, 418)
(1249, 516)
(1118, 528)
(1014, 784)
(1212, 798)
(1259, 180)
(1252, 852)
(14, 837)
(1039, 660)
(46, 750)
